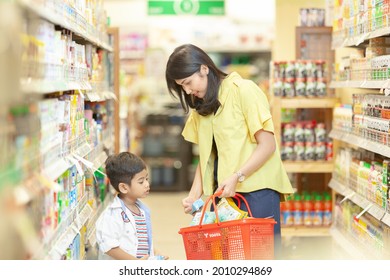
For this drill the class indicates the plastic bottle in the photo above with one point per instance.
(308, 208)
(298, 210)
(318, 210)
(327, 219)
(288, 216)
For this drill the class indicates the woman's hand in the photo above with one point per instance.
(228, 186)
(187, 204)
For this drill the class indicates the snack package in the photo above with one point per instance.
(197, 206)
(228, 210)
(209, 218)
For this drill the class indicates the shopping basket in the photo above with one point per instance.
(245, 239)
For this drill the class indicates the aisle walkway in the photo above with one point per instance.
(168, 217)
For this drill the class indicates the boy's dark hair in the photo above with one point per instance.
(122, 167)
(184, 62)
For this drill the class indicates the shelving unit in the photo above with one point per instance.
(59, 142)
(312, 44)
(366, 234)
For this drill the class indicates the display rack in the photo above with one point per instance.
(53, 178)
(352, 234)
(312, 44)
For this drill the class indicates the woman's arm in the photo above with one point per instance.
(265, 148)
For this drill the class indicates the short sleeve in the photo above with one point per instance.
(108, 232)
(255, 107)
(190, 131)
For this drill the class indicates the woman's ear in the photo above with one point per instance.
(204, 69)
(123, 188)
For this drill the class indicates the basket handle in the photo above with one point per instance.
(212, 197)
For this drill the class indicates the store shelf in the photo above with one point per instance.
(43, 86)
(368, 206)
(81, 28)
(72, 230)
(358, 141)
(305, 231)
(379, 84)
(302, 102)
(340, 238)
(308, 166)
(359, 39)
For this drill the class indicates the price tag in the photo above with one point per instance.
(386, 219)
(376, 212)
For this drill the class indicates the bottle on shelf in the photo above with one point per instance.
(327, 218)
(298, 210)
(318, 210)
(308, 210)
(288, 216)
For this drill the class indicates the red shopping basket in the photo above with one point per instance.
(245, 239)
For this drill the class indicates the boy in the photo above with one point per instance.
(123, 231)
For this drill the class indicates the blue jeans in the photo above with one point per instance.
(266, 203)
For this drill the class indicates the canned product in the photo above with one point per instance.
(289, 87)
(288, 151)
(310, 151)
(329, 151)
(320, 151)
(321, 87)
(278, 87)
(320, 69)
(299, 149)
(290, 69)
(320, 132)
(300, 69)
(299, 134)
(311, 87)
(300, 87)
(309, 132)
(288, 133)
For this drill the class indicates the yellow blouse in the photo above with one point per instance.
(244, 110)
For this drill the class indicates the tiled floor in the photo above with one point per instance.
(168, 217)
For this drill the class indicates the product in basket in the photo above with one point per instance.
(209, 218)
(228, 210)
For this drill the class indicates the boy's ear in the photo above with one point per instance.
(123, 188)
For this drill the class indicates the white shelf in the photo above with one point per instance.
(379, 84)
(73, 229)
(354, 251)
(59, 19)
(357, 40)
(43, 86)
(374, 210)
(360, 142)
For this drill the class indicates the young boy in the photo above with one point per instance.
(123, 231)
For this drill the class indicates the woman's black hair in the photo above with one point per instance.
(184, 62)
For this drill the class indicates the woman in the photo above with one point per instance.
(231, 123)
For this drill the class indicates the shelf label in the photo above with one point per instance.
(386, 219)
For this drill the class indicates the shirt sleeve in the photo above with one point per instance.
(190, 131)
(108, 232)
(255, 107)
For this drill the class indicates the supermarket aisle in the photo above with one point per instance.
(168, 218)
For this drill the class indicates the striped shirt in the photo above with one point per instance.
(142, 235)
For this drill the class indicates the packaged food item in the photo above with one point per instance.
(228, 210)
(209, 218)
(197, 206)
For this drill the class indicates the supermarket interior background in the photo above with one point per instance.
(82, 79)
